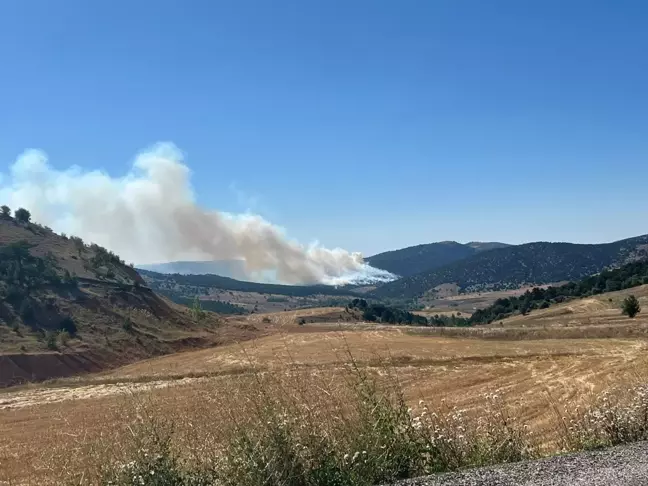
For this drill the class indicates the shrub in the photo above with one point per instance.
(78, 244)
(631, 306)
(50, 341)
(68, 325)
(127, 325)
(64, 337)
(26, 310)
(196, 310)
(615, 419)
(69, 279)
(5, 211)
(153, 463)
(22, 215)
(14, 294)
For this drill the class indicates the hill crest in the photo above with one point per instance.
(514, 266)
(428, 256)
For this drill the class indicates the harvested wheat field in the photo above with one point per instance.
(55, 432)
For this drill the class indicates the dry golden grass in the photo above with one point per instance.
(50, 429)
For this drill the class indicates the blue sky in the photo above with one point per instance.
(369, 125)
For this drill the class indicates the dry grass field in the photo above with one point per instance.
(54, 432)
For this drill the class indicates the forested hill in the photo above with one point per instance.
(515, 266)
(420, 258)
(628, 276)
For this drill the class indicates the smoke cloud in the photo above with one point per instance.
(150, 216)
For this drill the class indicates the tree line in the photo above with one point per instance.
(21, 215)
(628, 276)
(391, 315)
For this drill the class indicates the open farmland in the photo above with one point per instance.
(51, 432)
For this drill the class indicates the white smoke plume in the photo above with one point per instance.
(150, 216)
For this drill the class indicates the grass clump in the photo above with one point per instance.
(358, 432)
(152, 461)
(617, 418)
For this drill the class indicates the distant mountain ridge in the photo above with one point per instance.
(225, 268)
(402, 262)
(514, 266)
(420, 258)
(163, 282)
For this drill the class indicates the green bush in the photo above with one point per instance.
(22, 215)
(68, 325)
(50, 341)
(26, 310)
(631, 306)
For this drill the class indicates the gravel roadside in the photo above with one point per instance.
(617, 466)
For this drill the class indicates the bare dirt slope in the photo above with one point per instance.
(68, 307)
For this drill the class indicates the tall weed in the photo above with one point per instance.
(363, 433)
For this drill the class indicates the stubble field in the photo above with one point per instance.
(57, 431)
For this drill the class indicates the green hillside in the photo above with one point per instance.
(420, 258)
(628, 276)
(515, 266)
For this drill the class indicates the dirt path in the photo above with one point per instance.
(41, 396)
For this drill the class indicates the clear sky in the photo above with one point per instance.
(369, 125)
